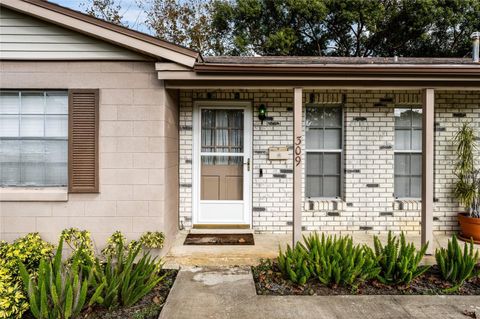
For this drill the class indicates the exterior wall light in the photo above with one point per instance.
(262, 112)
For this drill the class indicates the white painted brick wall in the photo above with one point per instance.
(368, 159)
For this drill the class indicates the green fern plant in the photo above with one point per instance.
(294, 264)
(337, 261)
(456, 266)
(399, 261)
(58, 292)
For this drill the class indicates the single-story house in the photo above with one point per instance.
(105, 128)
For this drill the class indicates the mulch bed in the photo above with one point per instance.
(149, 307)
(219, 239)
(269, 281)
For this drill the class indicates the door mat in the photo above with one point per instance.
(219, 239)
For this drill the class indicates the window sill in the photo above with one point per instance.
(27, 194)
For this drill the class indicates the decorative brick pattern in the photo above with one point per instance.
(368, 203)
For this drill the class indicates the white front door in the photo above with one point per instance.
(222, 168)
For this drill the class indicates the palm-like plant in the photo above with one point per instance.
(467, 188)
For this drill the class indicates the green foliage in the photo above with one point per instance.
(81, 244)
(455, 266)
(124, 278)
(337, 261)
(28, 250)
(152, 240)
(467, 188)
(399, 261)
(332, 260)
(294, 264)
(58, 291)
(149, 240)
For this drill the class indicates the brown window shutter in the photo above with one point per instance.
(83, 141)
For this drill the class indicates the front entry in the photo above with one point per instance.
(222, 146)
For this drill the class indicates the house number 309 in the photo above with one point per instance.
(298, 150)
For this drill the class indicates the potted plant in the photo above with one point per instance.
(467, 187)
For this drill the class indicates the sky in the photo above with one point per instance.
(133, 15)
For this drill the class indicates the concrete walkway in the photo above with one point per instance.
(266, 246)
(230, 293)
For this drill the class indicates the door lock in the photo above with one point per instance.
(248, 164)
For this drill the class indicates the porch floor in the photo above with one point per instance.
(266, 246)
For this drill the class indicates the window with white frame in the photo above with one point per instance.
(33, 138)
(408, 153)
(324, 143)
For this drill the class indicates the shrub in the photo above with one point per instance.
(81, 244)
(455, 266)
(125, 281)
(336, 261)
(152, 240)
(28, 250)
(58, 290)
(294, 264)
(399, 261)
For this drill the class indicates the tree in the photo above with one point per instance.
(449, 36)
(108, 10)
(184, 22)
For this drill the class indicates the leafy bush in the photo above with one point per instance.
(81, 244)
(58, 290)
(294, 264)
(399, 261)
(125, 281)
(336, 261)
(455, 266)
(28, 250)
(153, 240)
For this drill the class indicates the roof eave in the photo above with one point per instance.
(338, 69)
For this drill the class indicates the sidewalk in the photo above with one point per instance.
(230, 293)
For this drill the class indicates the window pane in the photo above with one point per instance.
(417, 118)
(9, 162)
(416, 164)
(402, 164)
(314, 163)
(333, 117)
(32, 125)
(9, 102)
(416, 187)
(314, 186)
(402, 139)
(33, 103)
(56, 126)
(208, 118)
(314, 139)
(331, 163)
(333, 139)
(402, 186)
(403, 118)
(417, 140)
(314, 117)
(331, 186)
(57, 103)
(9, 125)
(221, 119)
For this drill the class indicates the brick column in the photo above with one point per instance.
(427, 168)
(297, 165)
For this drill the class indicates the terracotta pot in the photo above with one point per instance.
(470, 227)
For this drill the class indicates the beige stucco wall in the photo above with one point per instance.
(138, 153)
